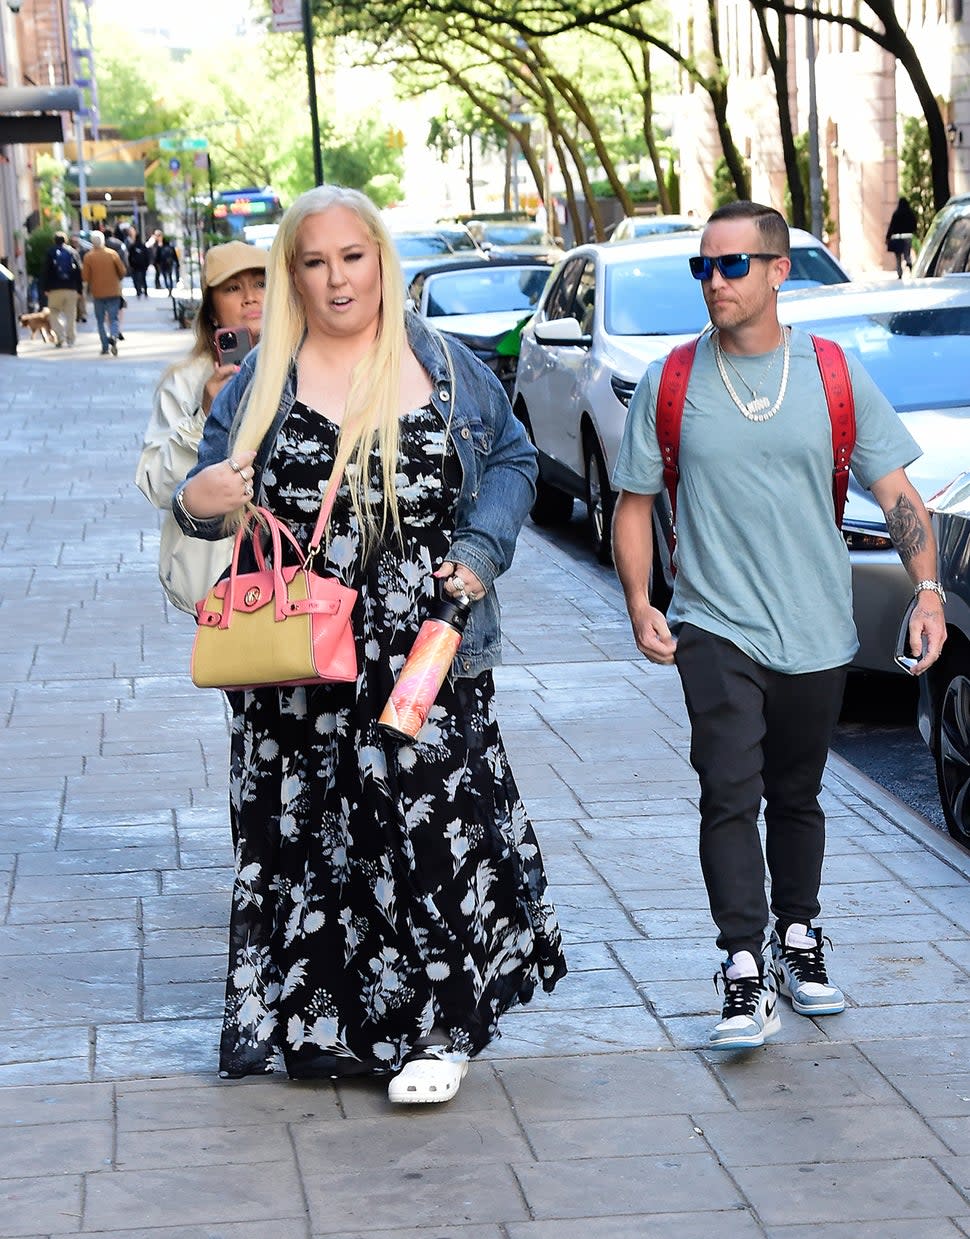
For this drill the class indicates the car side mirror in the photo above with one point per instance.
(561, 331)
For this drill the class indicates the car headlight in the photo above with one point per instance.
(623, 389)
(866, 540)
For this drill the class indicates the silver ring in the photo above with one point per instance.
(234, 467)
(458, 585)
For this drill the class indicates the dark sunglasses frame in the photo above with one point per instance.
(731, 266)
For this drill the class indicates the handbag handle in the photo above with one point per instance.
(277, 531)
(323, 517)
(254, 517)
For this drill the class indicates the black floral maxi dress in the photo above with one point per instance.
(383, 889)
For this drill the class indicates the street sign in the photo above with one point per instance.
(95, 210)
(183, 144)
(286, 17)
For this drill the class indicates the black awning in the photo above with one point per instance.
(22, 130)
(39, 100)
(33, 113)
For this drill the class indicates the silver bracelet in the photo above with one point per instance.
(185, 512)
(932, 586)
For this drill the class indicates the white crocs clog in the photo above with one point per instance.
(425, 1081)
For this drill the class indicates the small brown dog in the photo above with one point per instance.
(39, 324)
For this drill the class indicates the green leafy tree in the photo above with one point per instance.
(367, 160)
(36, 246)
(723, 183)
(916, 172)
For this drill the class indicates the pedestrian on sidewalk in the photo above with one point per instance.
(899, 235)
(139, 260)
(61, 281)
(82, 309)
(389, 899)
(233, 285)
(166, 259)
(760, 625)
(102, 271)
(152, 244)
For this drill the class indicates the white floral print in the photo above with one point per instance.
(384, 890)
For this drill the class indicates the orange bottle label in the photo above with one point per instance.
(421, 678)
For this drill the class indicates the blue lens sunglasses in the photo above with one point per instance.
(731, 266)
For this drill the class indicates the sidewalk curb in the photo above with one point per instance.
(900, 815)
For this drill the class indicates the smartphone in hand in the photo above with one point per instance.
(232, 344)
(902, 657)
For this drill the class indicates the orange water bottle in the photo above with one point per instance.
(425, 668)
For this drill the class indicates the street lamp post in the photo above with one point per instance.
(312, 93)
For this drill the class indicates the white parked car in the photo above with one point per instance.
(609, 310)
(632, 227)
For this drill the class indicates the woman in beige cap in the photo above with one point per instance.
(233, 283)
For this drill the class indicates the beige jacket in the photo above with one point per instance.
(187, 567)
(102, 271)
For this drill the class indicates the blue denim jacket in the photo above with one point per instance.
(498, 465)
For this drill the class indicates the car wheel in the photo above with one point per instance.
(600, 502)
(952, 744)
(551, 506)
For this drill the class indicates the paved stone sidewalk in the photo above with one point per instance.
(598, 1114)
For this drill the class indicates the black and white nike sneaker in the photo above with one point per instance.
(750, 1014)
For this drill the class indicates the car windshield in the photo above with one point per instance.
(918, 358)
(810, 266)
(654, 296)
(657, 225)
(484, 290)
(459, 238)
(413, 246)
(514, 234)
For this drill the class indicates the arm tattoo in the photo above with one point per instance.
(905, 529)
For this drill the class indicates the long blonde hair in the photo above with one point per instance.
(371, 416)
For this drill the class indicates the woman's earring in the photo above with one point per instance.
(776, 287)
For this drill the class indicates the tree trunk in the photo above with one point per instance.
(778, 59)
(717, 89)
(648, 134)
(939, 148)
(572, 206)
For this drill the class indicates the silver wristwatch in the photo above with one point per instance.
(933, 586)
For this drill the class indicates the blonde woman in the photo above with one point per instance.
(389, 900)
(233, 285)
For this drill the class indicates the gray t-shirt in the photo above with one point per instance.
(760, 561)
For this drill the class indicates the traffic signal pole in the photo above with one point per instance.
(312, 93)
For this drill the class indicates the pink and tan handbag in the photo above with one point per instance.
(278, 625)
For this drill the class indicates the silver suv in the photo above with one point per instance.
(946, 249)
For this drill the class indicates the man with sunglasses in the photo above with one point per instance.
(760, 625)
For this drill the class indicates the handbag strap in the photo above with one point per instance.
(323, 516)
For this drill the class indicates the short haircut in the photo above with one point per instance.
(771, 223)
(59, 238)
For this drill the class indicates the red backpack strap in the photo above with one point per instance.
(834, 370)
(671, 397)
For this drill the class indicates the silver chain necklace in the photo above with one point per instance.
(757, 409)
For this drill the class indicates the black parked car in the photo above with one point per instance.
(944, 690)
(483, 305)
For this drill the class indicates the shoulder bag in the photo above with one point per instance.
(280, 625)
